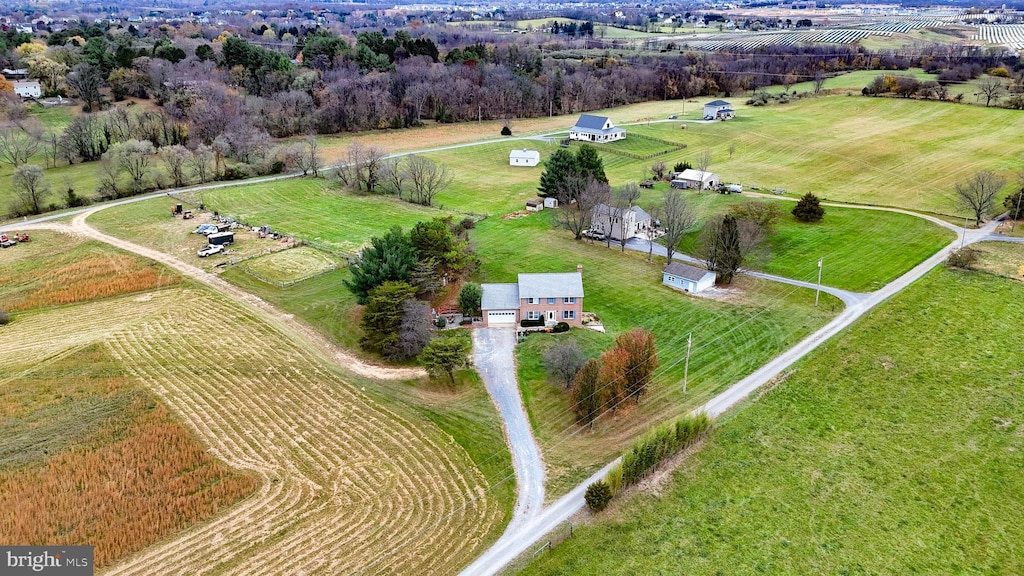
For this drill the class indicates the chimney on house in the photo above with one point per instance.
(579, 269)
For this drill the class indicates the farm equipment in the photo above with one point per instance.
(187, 215)
(6, 242)
(22, 237)
(176, 210)
(221, 238)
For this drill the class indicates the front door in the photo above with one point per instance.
(551, 315)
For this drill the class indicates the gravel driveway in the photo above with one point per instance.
(493, 354)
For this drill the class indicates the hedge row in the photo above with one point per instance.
(651, 450)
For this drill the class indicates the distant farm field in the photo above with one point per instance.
(895, 448)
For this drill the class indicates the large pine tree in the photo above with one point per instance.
(557, 169)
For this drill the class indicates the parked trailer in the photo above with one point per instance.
(222, 238)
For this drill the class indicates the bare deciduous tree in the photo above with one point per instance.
(577, 197)
(426, 178)
(360, 171)
(625, 195)
(133, 157)
(17, 145)
(563, 362)
(29, 186)
(703, 163)
(991, 88)
(819, 81)
(676, 218)
(658, 168)
(201, 163)
(392, 177)
(651, 234)
(978, 193)
(174, 158)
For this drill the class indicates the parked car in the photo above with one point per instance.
(731, 189)
(594, 234)
(209, 250)
(673, 117)
(647, 184)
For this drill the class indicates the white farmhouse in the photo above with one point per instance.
(523, 157)
(590, 128)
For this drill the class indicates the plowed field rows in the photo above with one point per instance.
(347, 485)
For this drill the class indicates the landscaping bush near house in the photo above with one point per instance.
(561, 327)
(531, 323)
(598, 495)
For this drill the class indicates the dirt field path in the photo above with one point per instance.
(283, 321)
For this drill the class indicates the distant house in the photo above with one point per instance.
(27, 88)
(551, 202)
(687, 278)
(633, 221)
(718, 110)
(523, 157)
(534, 205)
(15, 73)
(597, 129)
(690, 178)
(549, 298)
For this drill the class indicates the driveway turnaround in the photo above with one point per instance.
(493, 353)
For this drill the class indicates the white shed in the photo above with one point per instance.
(27, 88)
(551, 202)
(691, 178)
(523, 157)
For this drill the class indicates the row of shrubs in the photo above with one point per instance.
(645, 455)
(560, 327)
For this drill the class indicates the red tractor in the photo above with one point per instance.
(22, 237)
(6, 242)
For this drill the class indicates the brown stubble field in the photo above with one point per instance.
(339, 483)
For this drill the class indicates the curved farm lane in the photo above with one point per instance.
(283, 321)
(512, 544)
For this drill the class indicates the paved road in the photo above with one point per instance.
(848, 298)
(512, 544)
(494, 356)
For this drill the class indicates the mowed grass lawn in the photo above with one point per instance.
(752, 323)
(898, 448)
(884, 151)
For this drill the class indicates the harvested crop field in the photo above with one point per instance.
(345, 485)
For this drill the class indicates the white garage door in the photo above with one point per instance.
(501, 317)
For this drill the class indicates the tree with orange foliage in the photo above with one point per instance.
(5, 84)
(614, 364)
(641, 360)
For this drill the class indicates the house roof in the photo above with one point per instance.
(499, 296)
(533, 202)
(551, 284)
(687, 271)
(614, 212)
(718, 103)
(524, 153)
(591, 122)
(26, 83)
(694, 175)
(641, 215)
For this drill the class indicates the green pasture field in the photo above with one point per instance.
(292, 265)
(896, 448)
(884, 151)
(749, 324)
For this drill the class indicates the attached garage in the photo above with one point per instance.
(501, 317)
(500, 304)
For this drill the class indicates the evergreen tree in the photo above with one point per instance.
(469, 299)
(589, 163)
(447, 353)
(809, 209)
(383, 316)
(557, 169)
(391, 257)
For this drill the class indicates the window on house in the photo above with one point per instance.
(569, 300)
(671, 278)
(530, 300)
(533, 315)
(568, 314)
(552, 300)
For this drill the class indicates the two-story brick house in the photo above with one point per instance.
(547, 297)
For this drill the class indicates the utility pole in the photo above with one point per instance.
(686, 369)
(818, 291)
(1016, 213)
